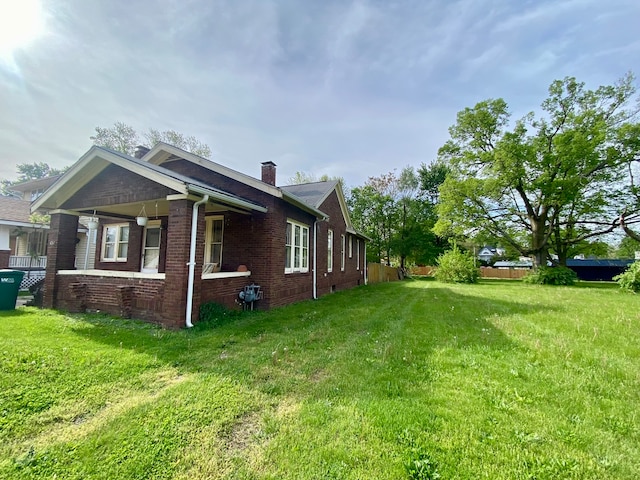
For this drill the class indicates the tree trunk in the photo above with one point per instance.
(539, 246)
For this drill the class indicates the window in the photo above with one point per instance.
(296, 248)
(350, 246)
(35, 194)
(358, 254)
(213, 244)
(342, 246)
(330, 251)
(115, 243)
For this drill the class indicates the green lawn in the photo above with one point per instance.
(405, 380)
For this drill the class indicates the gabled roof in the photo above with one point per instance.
(37, 184)
(315, 193)
(163, 152)
(312, 193)
(98, 158)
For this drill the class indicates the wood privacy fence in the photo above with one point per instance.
(486, 272)
(503, 272)
(377, 273)
(427, 271)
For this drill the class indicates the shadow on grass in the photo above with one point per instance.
(350, 331)
(14, 313)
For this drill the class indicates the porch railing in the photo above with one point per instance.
(24, 261)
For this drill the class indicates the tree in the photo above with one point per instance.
(549, 182)
(372, 213)
(628, 247)
(190, 144)
(125, 139)
(301, 177)
(392, 212)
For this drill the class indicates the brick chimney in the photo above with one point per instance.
(140, 151)
(269, 173)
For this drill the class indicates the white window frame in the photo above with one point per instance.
(358, 254)
(350, 246)
(118, 242)
(208, 246)
(330, 251)
(342, 251)
(296, 248)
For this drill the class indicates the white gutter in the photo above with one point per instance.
(366, 270)
(192, 257)
(315, 259)
(228, 199)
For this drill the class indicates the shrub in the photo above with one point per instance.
(456, 266)
(630, 279)
(551, 276)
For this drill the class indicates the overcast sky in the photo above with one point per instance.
(347, 88)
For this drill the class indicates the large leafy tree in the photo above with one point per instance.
(553, 181)
(394, 213)
(373, 212)
(124, 138)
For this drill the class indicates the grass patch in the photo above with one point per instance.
(413, 379)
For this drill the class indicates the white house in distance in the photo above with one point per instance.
(23, 244)
(486, 253)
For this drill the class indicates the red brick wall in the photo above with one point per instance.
(61, 252)
(116, 185)
(4, 258)
(224, 290)
(258, 240)
(337, 279)
(177, 257)
(78, 293)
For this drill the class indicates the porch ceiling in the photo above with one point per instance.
(152, 208)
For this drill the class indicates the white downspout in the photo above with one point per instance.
(192, 257)
(366, 270)
(315, 259)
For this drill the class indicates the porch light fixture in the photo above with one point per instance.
(141, 219)
(92, 224)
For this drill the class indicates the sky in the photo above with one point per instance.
(345, 88)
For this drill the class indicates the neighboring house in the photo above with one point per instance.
(23, 244)
(205, 233)
(487, 253)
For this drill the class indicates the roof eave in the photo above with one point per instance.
(226, 199)
(298, 202)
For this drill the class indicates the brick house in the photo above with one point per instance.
(204, 233)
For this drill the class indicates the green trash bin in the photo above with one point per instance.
(10, 281)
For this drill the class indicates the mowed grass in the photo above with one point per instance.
(403, 380)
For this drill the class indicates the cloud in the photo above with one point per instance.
(350, 88)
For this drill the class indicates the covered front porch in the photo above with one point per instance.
(163, 245)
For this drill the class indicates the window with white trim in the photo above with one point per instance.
(350, 246)
(342, 252)
(330, 251)
(296, 248)
(358, 254)
(115, 243)
(213, 244)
